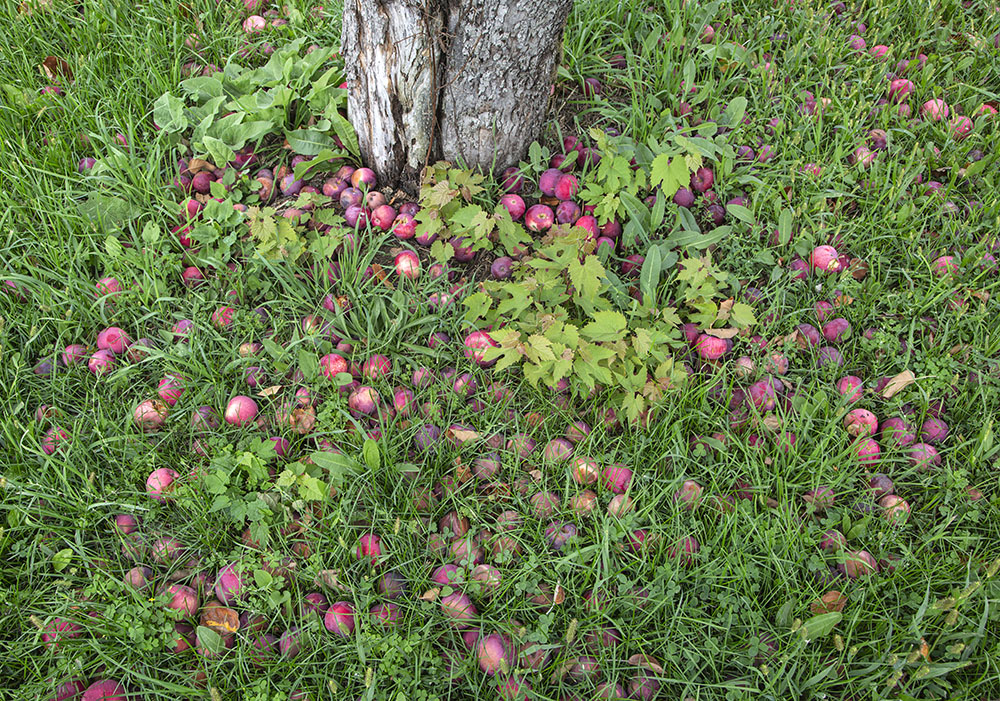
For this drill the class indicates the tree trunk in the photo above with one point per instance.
(464, 80)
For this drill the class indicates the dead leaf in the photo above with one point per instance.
(379, 273)
(831, 602)
(462, 473)
(221, 619)
(795, 337)
(55, 68)
(199, 165)
(646, 662)
(29, 6)
(858, 268)
(430, 594)
(898, 383)
(842, 301)
(303, 420)
(269, 391)
(725, 308)
(722, 333)
(562, 670)
(461, 435)
(925, 650)
(771, 422)
(329, 579)
(981, 295)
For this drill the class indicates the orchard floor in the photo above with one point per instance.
(731, 534)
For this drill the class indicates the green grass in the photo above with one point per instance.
(759, 565)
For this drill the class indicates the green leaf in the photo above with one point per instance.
(740, 212)
(649, 276)
(371, 454)
(670, 174)
(62, 559)
(538, 349)
(312, 488)
(642, 342)
(309, 142)
(938, 669)
(733, 116)
(273, 349)
(308, 364)
(785, 226)
(210, 640)
(587, 279)
(637, 211)
(784, 618)
(656, 215)
(606, 326)
(220, 152)
(336, 465)
(689, 71)
(345, 132)
(821, 625)
(106, 210)
(442, 251)
(168, 113)
(687, 220)
(263, 578)
(239, 135)
(324, 156)
(151, 233)
(742, 315)
(478, 305)
(202, 88)
(683, 239)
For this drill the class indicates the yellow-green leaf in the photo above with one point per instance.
(606, 326)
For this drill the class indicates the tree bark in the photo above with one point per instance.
(464, 80)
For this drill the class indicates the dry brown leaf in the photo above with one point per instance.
(925, 650)
(462, 435)
(430, 594)
(199, 165)
(462, 473)
(981, 295)
(29, 6)
(842, 301)
(221, 619)
(898, 383)
(329, 579)
(303, 420)
(831, 602)
(55, 68)
(858, 268)
(562, 670)
(771, 422)
(725, 308)
(797, 338)
(498, 490)
(269, 391)
(646, 662)
(379, 273)
(722, 333)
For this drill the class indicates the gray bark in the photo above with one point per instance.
(464, 80)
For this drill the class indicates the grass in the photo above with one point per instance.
(759, 567)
